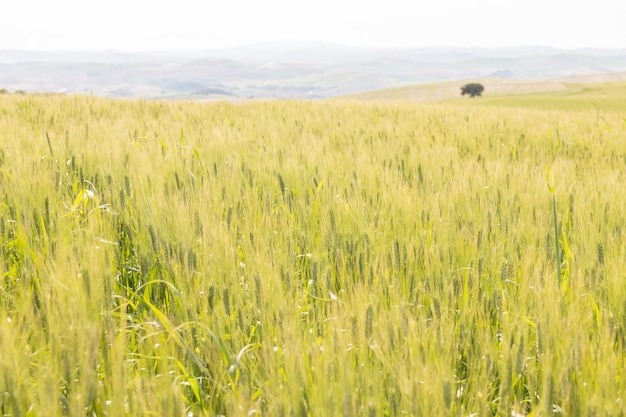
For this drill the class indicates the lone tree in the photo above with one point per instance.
(473, 89)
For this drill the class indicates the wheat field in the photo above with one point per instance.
(294, 258)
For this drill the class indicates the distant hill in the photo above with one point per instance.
(290, 70)
(595, 92)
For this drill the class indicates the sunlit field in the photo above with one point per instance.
(551, 95)
(329, 258)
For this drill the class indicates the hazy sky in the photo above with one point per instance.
(195, 24)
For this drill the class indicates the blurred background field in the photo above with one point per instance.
(606, 92)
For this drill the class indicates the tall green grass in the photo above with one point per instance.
(309, 259)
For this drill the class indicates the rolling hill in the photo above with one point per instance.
(607, 91)
(292, 70)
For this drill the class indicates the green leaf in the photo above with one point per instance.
(550, 187)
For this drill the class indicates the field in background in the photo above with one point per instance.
(607, 92)
(291, 258)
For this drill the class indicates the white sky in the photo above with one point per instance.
(193, 24)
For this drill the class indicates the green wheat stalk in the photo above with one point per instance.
(556, 230)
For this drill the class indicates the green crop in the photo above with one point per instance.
(288, 258)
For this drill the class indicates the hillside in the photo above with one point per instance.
(584, 92)
(289, 70)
